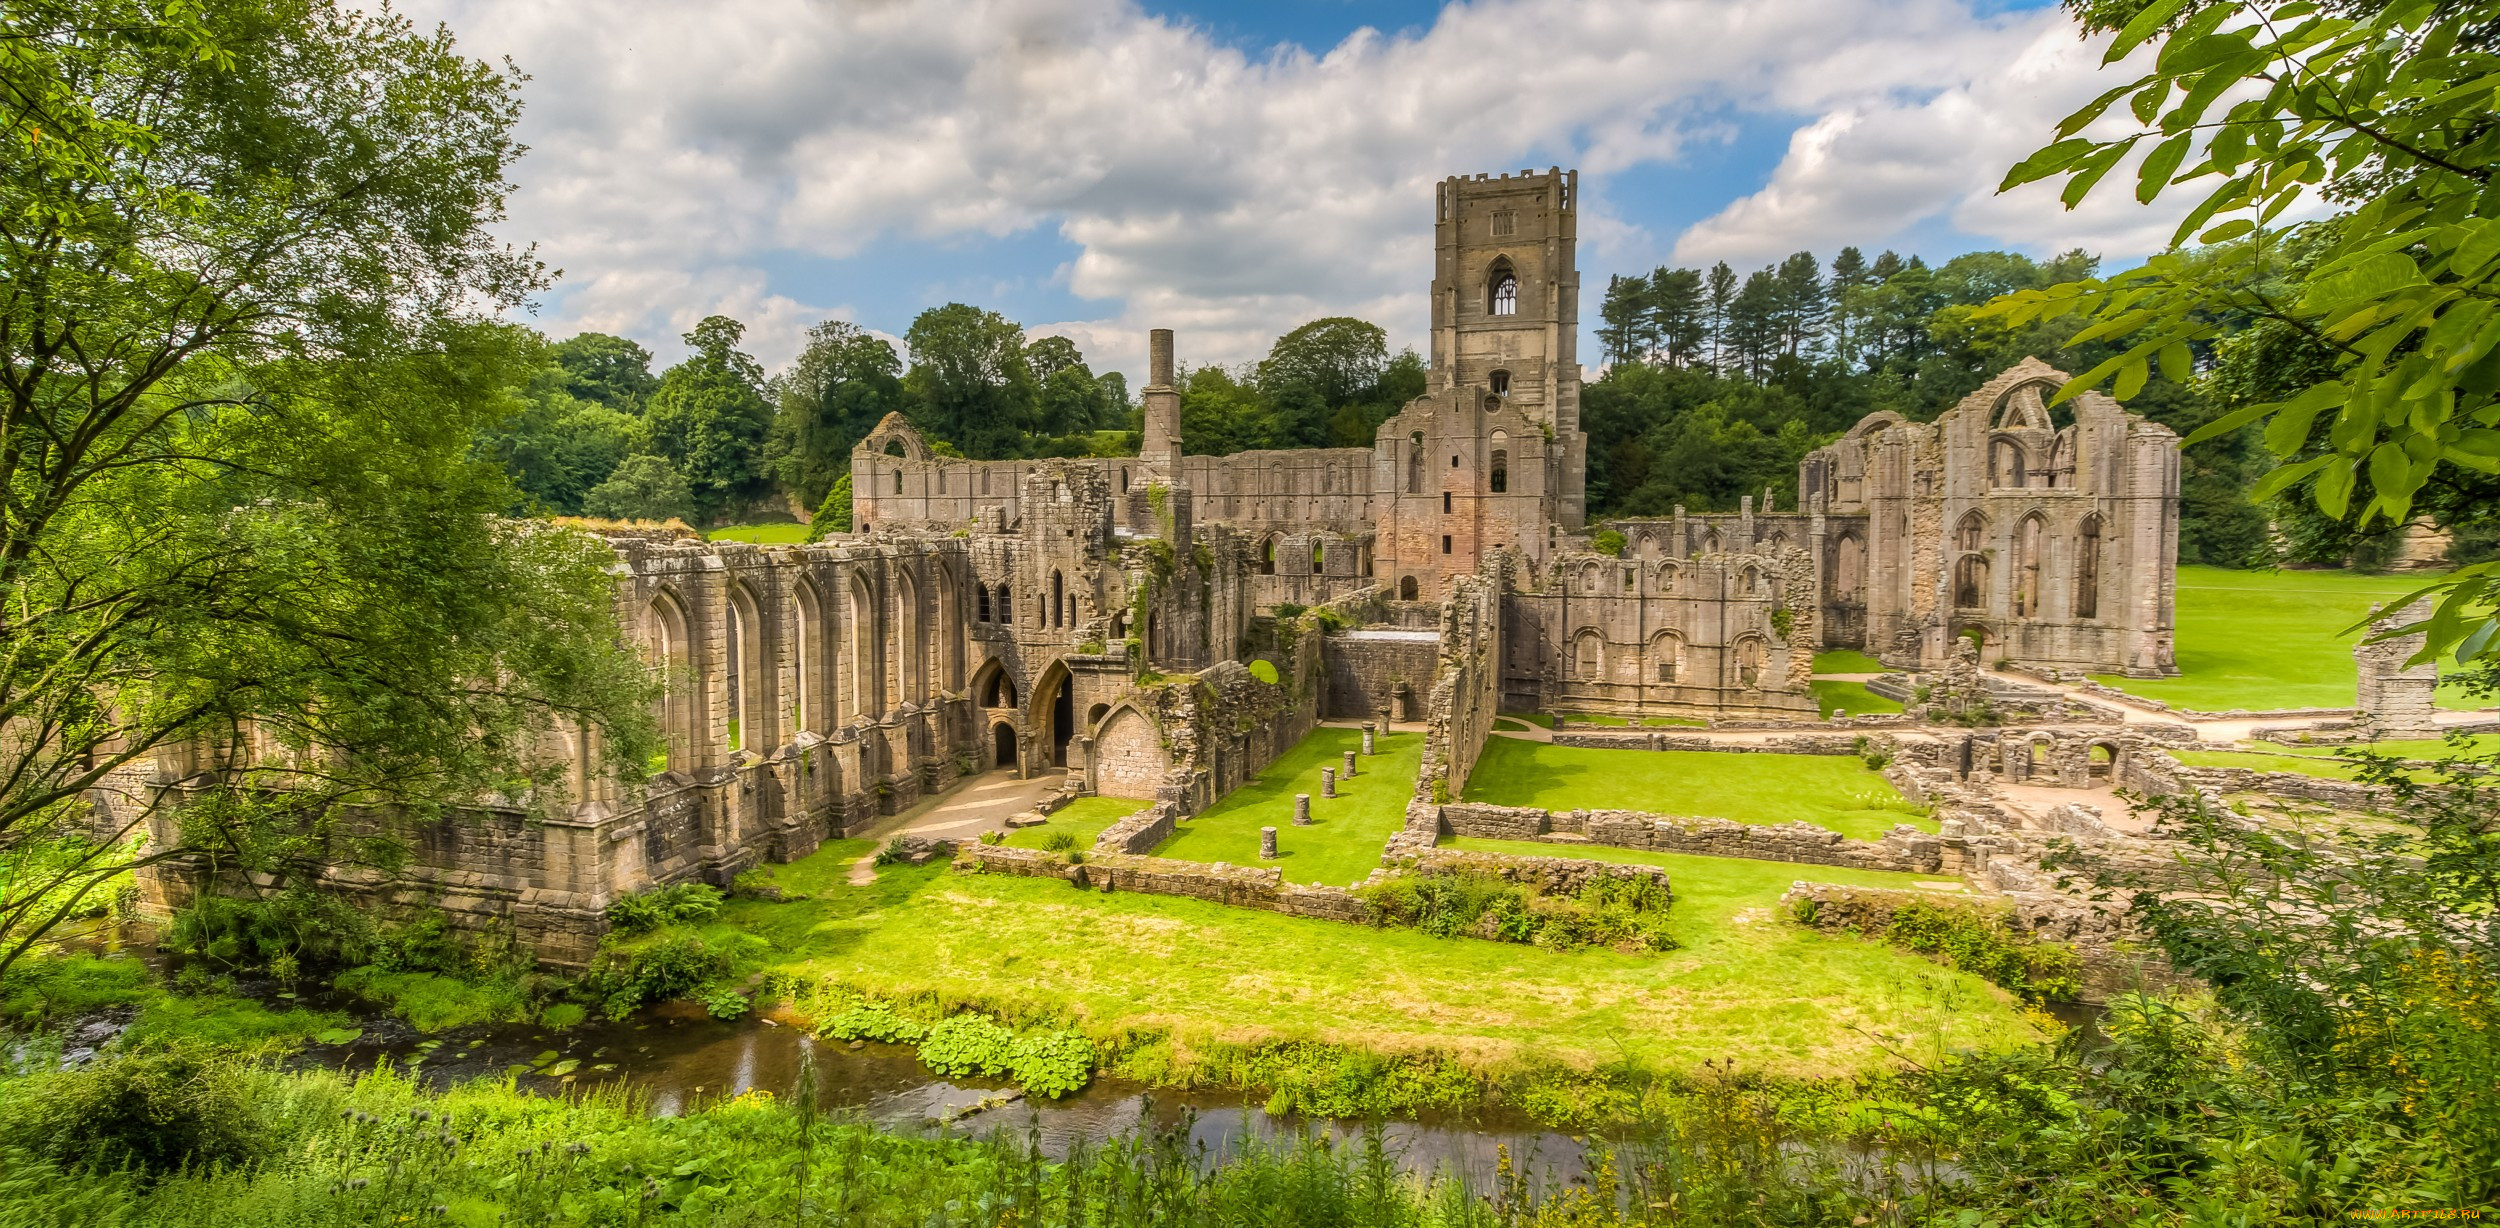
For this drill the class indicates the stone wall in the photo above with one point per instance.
(1904, 848)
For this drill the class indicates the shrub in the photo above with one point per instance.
(1608, 541)
(185, 1105)
(1626, 913)
(645, 911)
(311, 927)
(670, 964)
(1981, 944)
(1060, 841)
(726, 1004)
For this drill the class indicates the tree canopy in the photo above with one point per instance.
(244, 366)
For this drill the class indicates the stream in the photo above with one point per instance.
(678, 1058)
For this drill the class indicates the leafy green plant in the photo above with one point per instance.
(1608, 541)
(725, 1003)
(1059, 841)
(682, 903)
(1981, 944)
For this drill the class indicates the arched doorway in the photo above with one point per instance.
(1054, 712)
(1004, 736)
(2101, 762)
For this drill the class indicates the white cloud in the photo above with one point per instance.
(679, 150)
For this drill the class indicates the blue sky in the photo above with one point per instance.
(1095, 168)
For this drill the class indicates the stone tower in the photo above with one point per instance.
(1160, 446)
(1506, 309)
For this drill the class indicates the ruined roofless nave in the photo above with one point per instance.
(1101, 616)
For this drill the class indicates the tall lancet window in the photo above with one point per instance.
(1505, 291)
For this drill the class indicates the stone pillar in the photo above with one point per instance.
(1267, 844)
(2397, 700)
(1367, 739)
(1302, 810)
(1744, 521)
(1349, 765)
(1328, 782)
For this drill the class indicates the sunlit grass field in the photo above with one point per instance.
(779, 534)
(1343, 842)
(2270, 640)
(1832, 791)
(1083, 818)
(1748, 984)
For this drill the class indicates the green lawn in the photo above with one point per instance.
(1612, 721)
(1083, 818)
(1832, 791)
(1750, 986)
(1849, 696)
(2260, 761)
(2269, 640)
(1343, 842)
(779, 534)
(1846, 661)
(1542, 719)
(2403, 748)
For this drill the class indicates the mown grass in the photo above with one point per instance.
(783, 533)
(1711, 893)
(1620, 722)
(1343, 842)
(2262, 761)
(1846, 661)
(1083, 818)
(1837, 792)
(2265, 640)
(1848, 695)
(2474, 746)
(1155, 973)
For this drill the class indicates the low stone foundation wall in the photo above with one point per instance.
(1904, 848)
(2115, 958)
(1260, 887)
(1657, 739)
(1142, 832)
(1562, 876)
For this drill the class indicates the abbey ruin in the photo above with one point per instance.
(1116, 619)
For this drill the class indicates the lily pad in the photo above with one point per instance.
(563, 1068)
(545, 1058)
(338, 1036)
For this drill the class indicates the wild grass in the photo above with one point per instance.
(2264, 640)
(1829, 791)
(779, 533)
(1346, 834)
(1080, 820)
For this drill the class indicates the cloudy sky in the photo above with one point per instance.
(1099, 167)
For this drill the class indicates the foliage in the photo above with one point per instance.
(642, 488)
(1627, 913)
(2382, 109)
(709, 417)
(185, 1105)
(670, 962)
(844, 381)
(834, 514)
(677, 904)
(1981, 944)
(557, 447)
(1059, 842)
(245, 314)
(1608, 541)
(301, 924)
(609, 370)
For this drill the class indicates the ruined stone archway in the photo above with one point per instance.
(1129, 759)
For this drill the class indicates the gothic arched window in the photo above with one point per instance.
(1503, 290)
(1501, 471)
(2088, 569)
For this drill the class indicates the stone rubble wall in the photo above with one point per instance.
(1139, 833)
(1904, 848)
(1651, 739)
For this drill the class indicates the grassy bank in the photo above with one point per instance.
(2269, 640)
(781, 533)
(1837, 792)
(1156, 979)
(1343, 842)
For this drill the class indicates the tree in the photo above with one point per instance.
(644, 487)
(1221, 412)
(554, 446)
(1625, 310)
(1722, 298)
(1069, 399)
(1849, 275)
(970, 380)
(1316, 370)
(2382, 109)
(834, 514)
(612, 371)
(244, 365)
(843, 383)
(1800, 311)
(1678, 312)
(709, 418)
